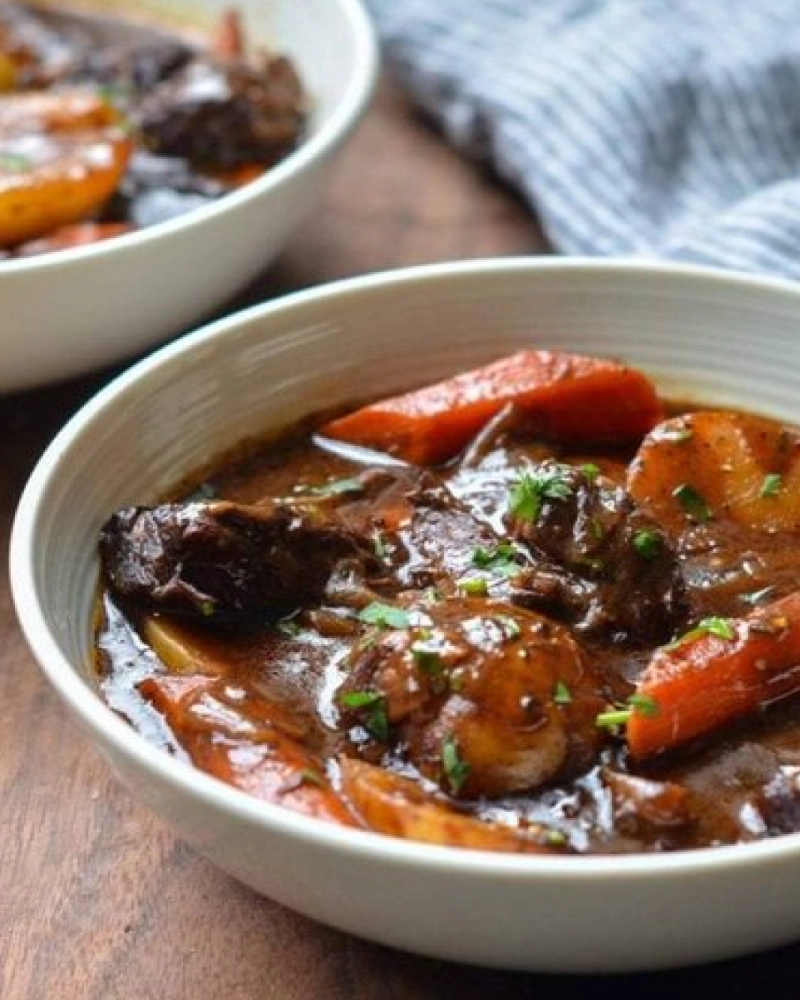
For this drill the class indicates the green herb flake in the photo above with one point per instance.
(648, 544)
(337, 487)
(309, 777)
(289, 628)
(771, 485)
(474, 586)
(562, 694)
(115, 93)
(427, 659)
(533, 488)
(620, 715)
(15, 163)
(384, 616)
(207, 608)
(644, 704)
(510, 626)
(591, 471)
(692, 502)
(757, 596)
(555, 838)
(500, 560)
(205, 491)
(719, 627)
(613, 718)
(456, 769)
(373, 705)
(678, 435)
(380, 545)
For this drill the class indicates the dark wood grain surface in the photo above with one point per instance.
(97, 900)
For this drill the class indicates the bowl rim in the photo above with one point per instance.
(332, 131)
(99, 719)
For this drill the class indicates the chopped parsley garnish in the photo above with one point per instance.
(205, 491)
(115, 92)
(338, 486)
(207, 608)
(591, 471)
(644, 704)
(757, 596)
(562, 694)
(720, 627)
(620, 715)
(614, 717)
(510, 626)
(474, 586)
(693, 503)
(533, 488)
(500, 559)
(678, 435)
(309, 777)
(648, 543)
(373, 705)
(427, 659)
(380, 545)
(456, 769)
(289, 627)
(771, 486)
(384, 616)
(15, 163)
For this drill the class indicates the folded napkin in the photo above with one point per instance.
(663, 128)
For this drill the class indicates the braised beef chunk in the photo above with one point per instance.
(599, 562)
(439, 539)
(222, 560)
(224, 115)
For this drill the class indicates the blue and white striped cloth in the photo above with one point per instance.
(632, 127)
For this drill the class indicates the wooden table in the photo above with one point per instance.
(97, 900)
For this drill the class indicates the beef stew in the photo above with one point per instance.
(532, 608)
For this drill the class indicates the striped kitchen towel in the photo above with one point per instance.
(632, 127)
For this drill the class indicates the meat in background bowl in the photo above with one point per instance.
(691, 329)
(74, 310)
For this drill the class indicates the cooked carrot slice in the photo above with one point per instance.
(62, 156)
(719, 672)
(572, 399)
(228, 41)
(246, 742)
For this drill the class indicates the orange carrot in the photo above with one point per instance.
(718, 672)
(228, 41)
(250, 745)
(572, 399)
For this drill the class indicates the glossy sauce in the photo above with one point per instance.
(741, 785)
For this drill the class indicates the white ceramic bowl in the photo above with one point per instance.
(720, 337)
(68, 312)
